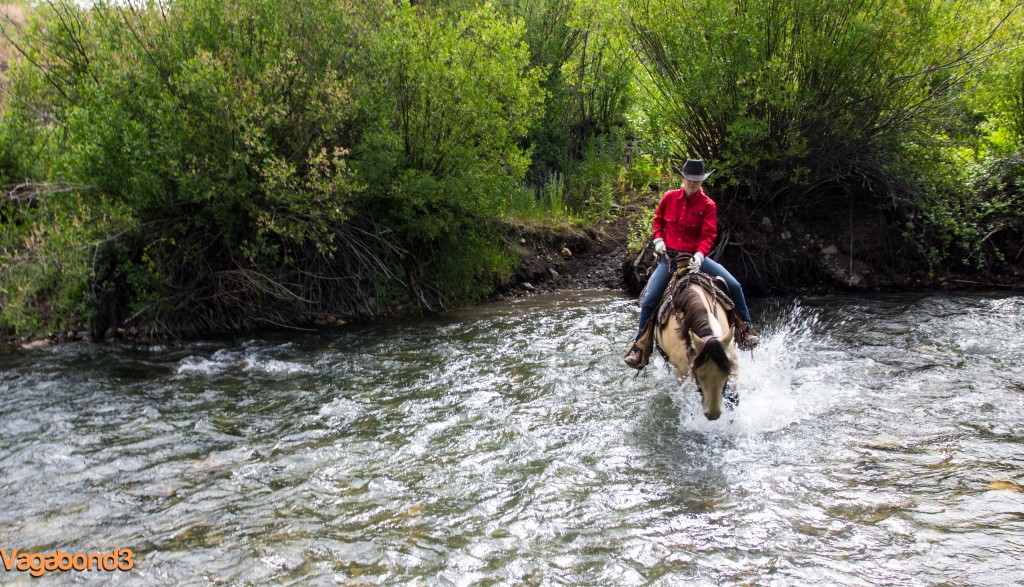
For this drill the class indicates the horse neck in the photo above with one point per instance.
(714, 350)
(699, 311)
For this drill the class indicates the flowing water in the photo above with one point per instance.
(878, 441)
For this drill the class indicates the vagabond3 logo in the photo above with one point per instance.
(37, 564)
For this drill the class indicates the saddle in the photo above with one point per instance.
(716, 289)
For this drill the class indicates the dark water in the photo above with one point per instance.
(879, 441)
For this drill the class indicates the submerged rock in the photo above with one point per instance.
(37, 345)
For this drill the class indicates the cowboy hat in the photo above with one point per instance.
(693, 170)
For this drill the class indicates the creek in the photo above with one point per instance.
(878, 440)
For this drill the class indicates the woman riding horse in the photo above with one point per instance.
(686, 221)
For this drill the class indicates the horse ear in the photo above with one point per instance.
(728, 337)
(696, 341)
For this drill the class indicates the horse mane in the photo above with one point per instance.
(696, 319)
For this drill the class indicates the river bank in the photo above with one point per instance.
(547, 258)
(821, 249)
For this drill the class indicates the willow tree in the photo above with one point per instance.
(446, 99)
(785, 94)
(995, 107)
(216, 130)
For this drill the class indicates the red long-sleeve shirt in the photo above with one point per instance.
(687, 224)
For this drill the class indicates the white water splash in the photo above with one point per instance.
(797, 372)
(248, 362)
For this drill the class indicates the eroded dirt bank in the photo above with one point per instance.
(566, 258)
(821, 248)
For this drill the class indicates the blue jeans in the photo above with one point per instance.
(659, 281)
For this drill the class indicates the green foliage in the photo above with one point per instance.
(47, 244)
(789, 99)
(590, 67)
(468, 266)
(543, 203)
(223, 130)
(593, 177)
(806, 93)
(966, 182)
(213, 165)
(958, 203)
(641, 172)
(640, 232)
(215, 126)
(998, 101)
(448, 101)
(20, 144)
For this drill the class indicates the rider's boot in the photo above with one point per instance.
(634, 356)
(746, 337)
(640, 350)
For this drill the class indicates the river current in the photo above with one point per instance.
(878, 441)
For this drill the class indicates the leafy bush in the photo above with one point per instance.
(205, 165)
(790, 99)
(998, 103)
(48, 235)
(449, 102)
(589, 69)
(215, 127)
(807, 93)
(641, 229)
(270, 171)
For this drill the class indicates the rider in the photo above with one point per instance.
(687, 222)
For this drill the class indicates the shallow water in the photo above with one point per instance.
(878, 441)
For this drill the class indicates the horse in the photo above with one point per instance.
(695, 337)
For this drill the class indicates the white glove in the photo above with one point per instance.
(659, 246)
(695, 262)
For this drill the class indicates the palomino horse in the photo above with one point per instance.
(696, 337)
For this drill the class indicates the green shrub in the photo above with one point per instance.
(640, 231)
(216, 127)
(589, 69)
(448, 100)
(806, 94)
(793, 99)
(48, 240)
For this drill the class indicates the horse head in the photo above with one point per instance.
(712, 365)
(700, 341)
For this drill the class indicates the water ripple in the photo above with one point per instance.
(877, 441)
